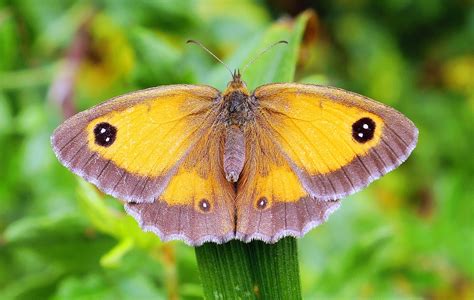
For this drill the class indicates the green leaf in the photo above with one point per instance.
(276, 65)
(114, 223)
(60, 240)
(96, 286)
(8, 40)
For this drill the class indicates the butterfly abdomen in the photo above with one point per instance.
(234, 153)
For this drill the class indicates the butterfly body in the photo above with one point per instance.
(238, 111)
(199, 165)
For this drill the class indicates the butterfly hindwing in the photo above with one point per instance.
(197, 205)
(271, 201)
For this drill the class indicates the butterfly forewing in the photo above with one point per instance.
(130, 145)
(337, 142)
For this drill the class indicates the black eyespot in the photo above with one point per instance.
(204, 205)
(262, 203)
(363, 130)
(105, 134)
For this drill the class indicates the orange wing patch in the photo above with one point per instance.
(267, 178)
(278, 184)
(315, 131)
(150, 130)
(190, 187)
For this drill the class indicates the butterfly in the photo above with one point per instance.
(199, 165)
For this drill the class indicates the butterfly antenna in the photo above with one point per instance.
(209, 51)
(264, 51)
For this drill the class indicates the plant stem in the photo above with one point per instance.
(276, 268)
(225, 270)
(256, 270)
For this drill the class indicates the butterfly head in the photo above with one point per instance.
(236, 85)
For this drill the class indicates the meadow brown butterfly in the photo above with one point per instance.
(198, 165)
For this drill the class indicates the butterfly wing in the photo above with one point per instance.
(197, 206)
(330, 142)
(139, 147)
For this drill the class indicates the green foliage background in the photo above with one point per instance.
(409, 235)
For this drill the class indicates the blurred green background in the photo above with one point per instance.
(409, 235)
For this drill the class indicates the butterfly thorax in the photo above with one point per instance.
(237, 111)
(238, 105)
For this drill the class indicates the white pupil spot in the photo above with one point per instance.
(204, 205)
(365, 126)
(360, 134)
(107, 139)
(102, 130)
